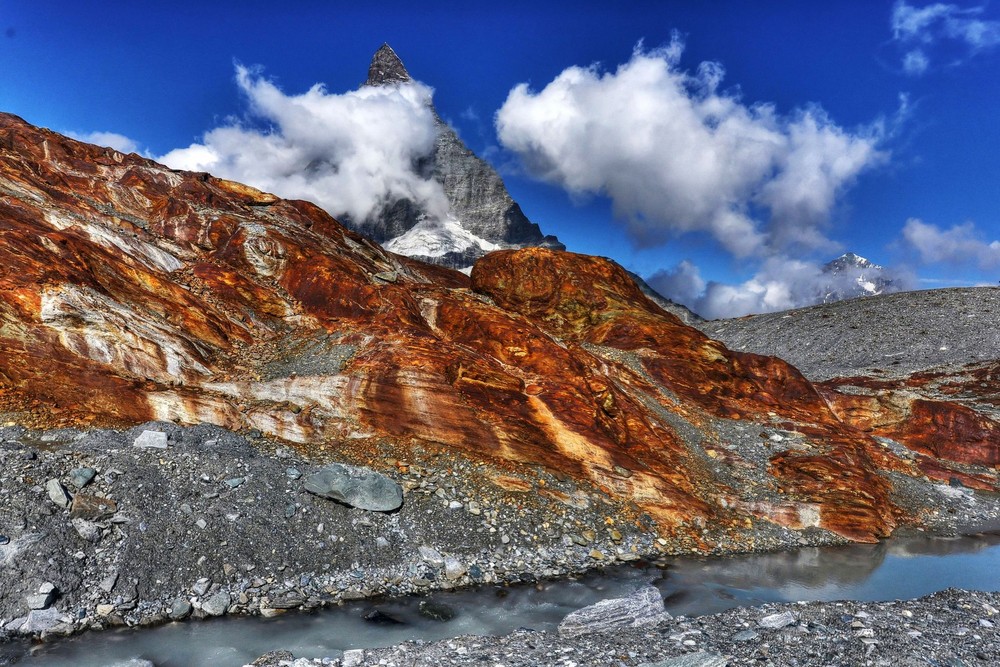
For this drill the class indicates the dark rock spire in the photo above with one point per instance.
(386, 68)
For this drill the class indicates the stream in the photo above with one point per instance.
(900, 568)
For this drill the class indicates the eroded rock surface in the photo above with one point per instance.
(132, 292)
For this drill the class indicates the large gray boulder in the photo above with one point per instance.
(356, 486)
(642, 608)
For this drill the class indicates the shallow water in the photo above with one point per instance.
(896, 569)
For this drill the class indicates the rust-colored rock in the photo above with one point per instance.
(130, 292)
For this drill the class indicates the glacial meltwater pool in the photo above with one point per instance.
(900, 568)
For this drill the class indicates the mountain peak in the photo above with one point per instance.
(850, 259)
(386, 68)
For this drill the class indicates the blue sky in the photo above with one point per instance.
(863, 126)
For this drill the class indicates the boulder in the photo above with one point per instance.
(358, 487)
(641, 608)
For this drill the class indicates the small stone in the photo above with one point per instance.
(57, 493)
(201, 523)
(201, 586)
(88, 530)
(436, 611)
(596, 554)
(180, 609)
(453, 568)
(777, 621)
(108, 583)
(105, 609)
(984, 623)
(4, 540)
(39, 601)
(217, 605)
(293, 473)
(745, 636)
(151, 439)
(235, 482)
(92, 508)
(431, 555)
(379, 617)
(354, 657)
(81, 477)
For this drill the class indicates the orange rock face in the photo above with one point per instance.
(130, 292)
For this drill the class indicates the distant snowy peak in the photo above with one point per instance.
(852, 275)
(438, 238)
(850, 260)
(482, 215)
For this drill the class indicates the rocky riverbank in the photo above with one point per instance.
(948, 629)
(104, 528)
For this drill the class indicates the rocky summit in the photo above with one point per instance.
(482, 215)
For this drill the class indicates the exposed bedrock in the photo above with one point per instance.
(132, 292)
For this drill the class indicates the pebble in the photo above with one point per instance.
(81, 477)
(151, 440)
(57, 493)
(217, 605)
(180, 609)
(777, 621)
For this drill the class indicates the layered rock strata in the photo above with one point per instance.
(133, 292)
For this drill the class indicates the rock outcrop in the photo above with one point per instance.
(131, 292)
(483, 214)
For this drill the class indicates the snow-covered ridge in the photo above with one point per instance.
(437, 238)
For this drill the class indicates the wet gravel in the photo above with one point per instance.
(952, 628)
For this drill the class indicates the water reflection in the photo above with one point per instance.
(900, 568)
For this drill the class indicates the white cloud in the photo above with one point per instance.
(918, 29)
(114, 140)
(780, 284)
(349, 152)
(676, 154)
(961, 245)
(915, 62)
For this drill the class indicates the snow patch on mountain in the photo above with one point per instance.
(437, 238)
(852, 275)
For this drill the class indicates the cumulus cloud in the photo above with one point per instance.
(114, 140)
(675, 153)
(919, 29)
(781, 283)
(350, 153)
(961, 245)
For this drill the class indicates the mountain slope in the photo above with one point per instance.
(131, 292)
(482, 216)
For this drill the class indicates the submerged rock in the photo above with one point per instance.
(356, 486)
